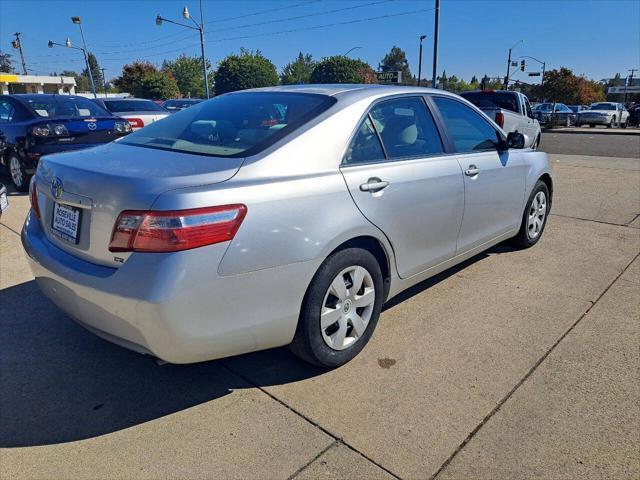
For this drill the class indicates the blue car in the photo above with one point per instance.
(35, 125)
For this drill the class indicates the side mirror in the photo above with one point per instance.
(516, 140)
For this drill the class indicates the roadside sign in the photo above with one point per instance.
(629, 89)
(389, 77)
(534, 74)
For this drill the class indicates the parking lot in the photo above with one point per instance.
(516, 364)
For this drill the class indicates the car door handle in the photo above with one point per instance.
(472, 171)
(374, 184)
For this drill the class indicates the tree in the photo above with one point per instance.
(187, 72)
(95, 71)
(474, 80)
(396, 60)
(298, 71)
(565, 87)
(246, 70)
(6, 65)
(341, 69)
(158, 86)
(132, 75)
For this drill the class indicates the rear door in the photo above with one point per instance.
(531, 130)
(493, 180)
(402, 180)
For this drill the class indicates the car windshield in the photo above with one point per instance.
(233, 125)
(123, 106)
(503, 100)
(64, 106)
(179, 104)
(602, 106)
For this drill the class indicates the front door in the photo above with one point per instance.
(401, 180)
(494, 181)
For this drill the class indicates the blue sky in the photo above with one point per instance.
(593, 37)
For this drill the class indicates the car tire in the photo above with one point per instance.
(19, 178)
(567, 122)
(624, 125)
(612, 123)
(333, 344)
(534, 218)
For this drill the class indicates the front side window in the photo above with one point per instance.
(365, 146)
(233, 125)
(468, 130)
(63, 106)
(406, 128)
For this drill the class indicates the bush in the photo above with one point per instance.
(158, 86)
(341, 69)
(246, 70)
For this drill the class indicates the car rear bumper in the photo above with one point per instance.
(173, 306)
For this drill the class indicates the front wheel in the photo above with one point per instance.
(534, 217)
(340, 309)
(567, 122)
(18, 176)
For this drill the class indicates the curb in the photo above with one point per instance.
(593, 131)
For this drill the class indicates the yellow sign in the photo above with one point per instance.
(9, 78)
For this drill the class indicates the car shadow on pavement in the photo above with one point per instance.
(61, 383)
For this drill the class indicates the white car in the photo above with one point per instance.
(139, 112)
(611, 114)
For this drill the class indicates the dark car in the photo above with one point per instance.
(558, 112)
(634, 115)
(578, 108)
(175, 105)
(4, 202)
(35, 125)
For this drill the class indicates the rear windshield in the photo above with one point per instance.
(234, 125)
(481, 100)
(62, 106)
(121, 106)
(603, 106)
(179, 104)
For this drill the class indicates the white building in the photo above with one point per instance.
(10, 83)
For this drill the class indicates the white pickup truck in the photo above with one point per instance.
(510, 110)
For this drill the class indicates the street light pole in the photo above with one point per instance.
(200, 28)
(68, 44)
(17, 43)
(422, 37)
(435, 44)
(627, 83)
(104, 82)
(78, 22)
(350, 50)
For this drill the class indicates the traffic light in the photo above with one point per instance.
(522, 65)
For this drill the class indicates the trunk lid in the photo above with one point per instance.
(103, 181)
(81, 130)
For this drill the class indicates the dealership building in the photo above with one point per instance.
(10, 83)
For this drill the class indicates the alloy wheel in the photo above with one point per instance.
(347, 307)
(16, 171)
(537, 214)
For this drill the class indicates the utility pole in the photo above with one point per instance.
(506, 77)
(17, 43)
(435, 44)
(628, 82)
(104, 82)
(422, 37)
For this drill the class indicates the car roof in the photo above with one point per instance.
(36, 96)
(349, 92)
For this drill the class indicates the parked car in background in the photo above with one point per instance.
(634, 115)
(578, 108)
(610, 114)
(558, 112)
(138, 111)
(175, 105)
(4, 200)
(275, 216)
(33, 125)
(510, 110)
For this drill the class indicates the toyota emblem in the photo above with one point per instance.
(91, 126)
(56, 187)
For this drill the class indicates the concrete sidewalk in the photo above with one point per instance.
(517, 364)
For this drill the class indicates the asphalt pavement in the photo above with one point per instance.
(516, 364)
(587, 142)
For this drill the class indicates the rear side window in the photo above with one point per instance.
(468, 130)
(406, 128)
(365, 146)
(233, 125)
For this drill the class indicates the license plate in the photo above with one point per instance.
(4, 203)
(66, 222)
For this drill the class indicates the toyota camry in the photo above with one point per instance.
(277, 216)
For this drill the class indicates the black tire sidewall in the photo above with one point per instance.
(309, 322)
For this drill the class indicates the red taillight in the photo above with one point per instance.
(33, 197)
(174, 230)
(500, 119)
(135, 122)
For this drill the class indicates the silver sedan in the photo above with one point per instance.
(278, 216)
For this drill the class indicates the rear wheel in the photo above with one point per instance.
(340, 310)
(567, 122)
(612, 123)
(18, 176)
(534, 217)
